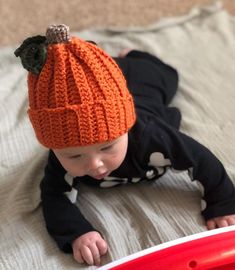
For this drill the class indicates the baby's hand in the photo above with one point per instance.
(220, 222)
(89, 247)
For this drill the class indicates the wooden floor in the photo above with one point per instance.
(20, 19)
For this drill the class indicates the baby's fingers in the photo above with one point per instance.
(102, 246)
(230, 220)
(96, 250)
(220, 222)
(78, 256)
(95, 254)
(211, 224)
(216, 223)
(87, 255)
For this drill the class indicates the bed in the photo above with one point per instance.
(201, 45)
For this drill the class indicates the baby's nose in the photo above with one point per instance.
(94, 163)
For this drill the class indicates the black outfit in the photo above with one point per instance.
(154, 144)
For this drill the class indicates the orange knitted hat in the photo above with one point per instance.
(77, 94)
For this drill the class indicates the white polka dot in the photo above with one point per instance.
(68, 178)
(203, 205)
(112, 178)
(150, 174)
(110, 181)
(157, 159)
(135, 180)
(72, 195)
(107, 184)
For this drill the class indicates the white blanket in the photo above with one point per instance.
(201, 46)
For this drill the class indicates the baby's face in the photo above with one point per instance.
(97, 160)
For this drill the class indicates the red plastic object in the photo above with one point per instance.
(211, 250)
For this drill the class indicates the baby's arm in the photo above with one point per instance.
(185, 153)
(89, 248)
(64, 220)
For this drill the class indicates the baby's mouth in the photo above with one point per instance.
(101, 176)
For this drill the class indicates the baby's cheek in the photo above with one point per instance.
(116, 160)
(73, 169)
(76, 172)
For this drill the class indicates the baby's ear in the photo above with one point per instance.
(90, 41)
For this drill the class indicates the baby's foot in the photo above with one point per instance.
(124, 52)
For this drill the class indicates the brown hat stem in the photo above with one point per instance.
(57, 34)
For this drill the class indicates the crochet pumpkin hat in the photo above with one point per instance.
(77, 94)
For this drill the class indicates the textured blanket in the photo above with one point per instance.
(201, 46)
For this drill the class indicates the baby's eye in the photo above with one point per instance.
(75, 156)
(106, 148)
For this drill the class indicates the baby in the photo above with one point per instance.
(107, 122)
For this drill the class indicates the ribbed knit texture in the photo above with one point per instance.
(79, 98)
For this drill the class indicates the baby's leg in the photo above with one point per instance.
(152, 84)
(146, 69)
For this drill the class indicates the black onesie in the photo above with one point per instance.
(154, 144)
